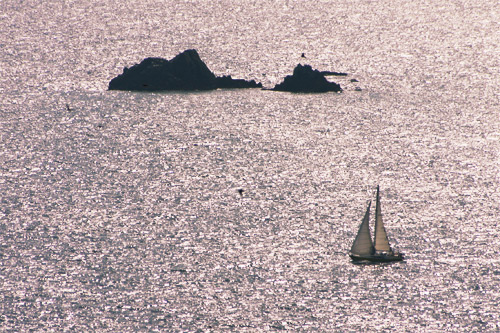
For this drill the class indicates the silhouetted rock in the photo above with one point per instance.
(306, 79)
(229, 82)
(328, 73)
(184, 72)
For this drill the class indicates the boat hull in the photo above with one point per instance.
(377, 257)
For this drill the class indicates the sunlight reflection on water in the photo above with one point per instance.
(123, 213)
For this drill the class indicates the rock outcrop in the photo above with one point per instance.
(306, 79)
(329, 73)
(229, 82)
(186, 71)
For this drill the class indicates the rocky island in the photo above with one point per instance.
(186, 71)
(306, 79)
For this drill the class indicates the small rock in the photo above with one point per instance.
(306, 79)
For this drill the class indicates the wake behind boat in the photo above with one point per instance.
(378, 250)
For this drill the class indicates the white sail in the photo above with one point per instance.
(380, 237)
(363, 243)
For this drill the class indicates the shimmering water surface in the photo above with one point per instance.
(121, 212)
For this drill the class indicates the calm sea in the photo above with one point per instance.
(120, 211)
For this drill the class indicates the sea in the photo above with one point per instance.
(235, 210)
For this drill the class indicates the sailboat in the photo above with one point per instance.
(378, 250)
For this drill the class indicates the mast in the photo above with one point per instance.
(380, 239)
(363, 243)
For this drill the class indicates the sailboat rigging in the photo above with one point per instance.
(379, 250)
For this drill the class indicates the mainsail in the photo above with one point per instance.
(363, 243)
(380, 238)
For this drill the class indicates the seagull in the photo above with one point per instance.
(240, 191)
(303, 55)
